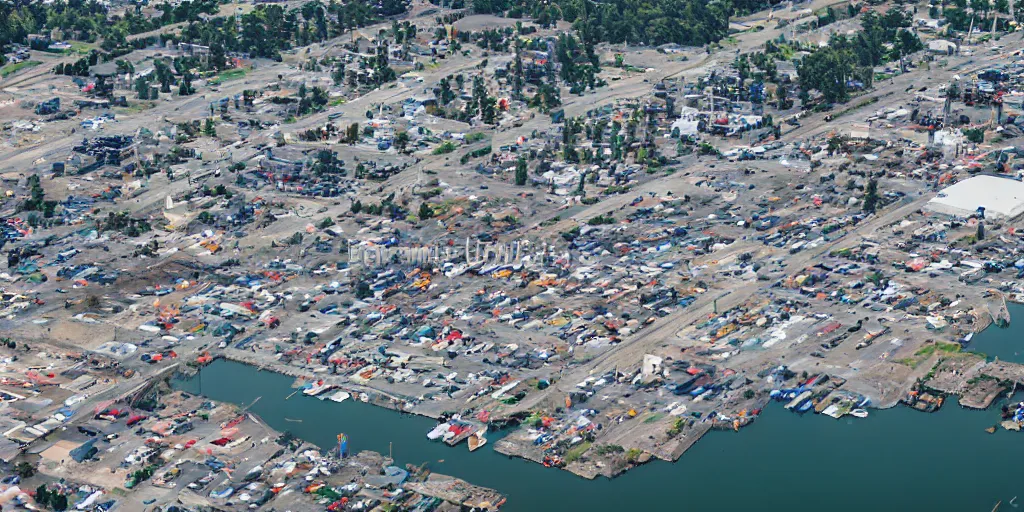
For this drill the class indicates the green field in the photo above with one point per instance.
(231, 74)
(11, 69)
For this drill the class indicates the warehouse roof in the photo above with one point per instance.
(1001, 197)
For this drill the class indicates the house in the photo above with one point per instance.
(942, 47)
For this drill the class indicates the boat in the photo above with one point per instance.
(438, 431)
(318, 388)
(223, 493)
(859, 413)
(799, 399)
(363, 397)
(477, 440)
(340, 396)
(806, 406)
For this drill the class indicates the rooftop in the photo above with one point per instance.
(1001, 197)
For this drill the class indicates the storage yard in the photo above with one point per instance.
(603, 250)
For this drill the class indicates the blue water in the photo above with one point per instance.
(1006, 344)
(896, 459)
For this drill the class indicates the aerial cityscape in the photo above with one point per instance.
(410, 255)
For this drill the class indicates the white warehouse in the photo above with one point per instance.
(1002, 198)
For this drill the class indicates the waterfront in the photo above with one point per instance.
(895, 459)
(1002, 342)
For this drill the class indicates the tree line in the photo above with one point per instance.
(652, 22)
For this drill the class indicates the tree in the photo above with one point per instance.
(828, 71)
(521, 172)
(185, 86)
(24, 469)
(209, 129)
(59, 502)
(402, 140)
(871, 196)
(782, 97)
(142, 88)
(425, 211)
(975, 135)
(42, 495)
(352, 133)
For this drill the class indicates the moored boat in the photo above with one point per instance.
(438, 431)
(318, 388)
(859, 413)
(477, 439)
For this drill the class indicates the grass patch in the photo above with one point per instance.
(925, 352)
(11, 69)
(78, 47)
(231, 74)
(135, 108)
(335, 102)
(608, 449)
(654, 417)
(475, 137)
(576, 452)
(939, 346)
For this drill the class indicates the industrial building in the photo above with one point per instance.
(998, 198)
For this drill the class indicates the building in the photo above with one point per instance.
(999, 198)
(941, 46)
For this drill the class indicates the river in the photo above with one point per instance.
(897, 459)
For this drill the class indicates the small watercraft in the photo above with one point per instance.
(859, 413)
(477, 440)
(318, 388)
(438, 431)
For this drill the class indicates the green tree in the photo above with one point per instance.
(871, 196)
(352, 133)
(59, 502)
(208, 128)
(402, 140)
(185, 85)
(828, 71)
(425, 211)
(521, 172)
(42, 495)
(24, 469)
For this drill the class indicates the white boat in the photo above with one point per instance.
(340, 396)
(438, 431)
(318, 388)
(859, 413)
(363, 397)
